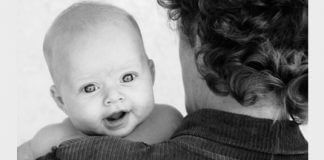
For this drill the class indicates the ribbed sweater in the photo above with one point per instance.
(204, 134)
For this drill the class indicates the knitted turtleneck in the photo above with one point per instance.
(244, 132)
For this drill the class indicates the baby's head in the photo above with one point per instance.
(102, 77)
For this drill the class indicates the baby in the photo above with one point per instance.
(103, 80)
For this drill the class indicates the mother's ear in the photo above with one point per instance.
(152, 69)
(57, 98)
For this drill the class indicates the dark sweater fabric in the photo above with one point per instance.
(204, 134)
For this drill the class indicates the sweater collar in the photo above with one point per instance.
(263, 135)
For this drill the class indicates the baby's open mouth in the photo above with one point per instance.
(116, 116)
(116, 120)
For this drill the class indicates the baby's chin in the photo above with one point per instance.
(117, 133)
(123, 132)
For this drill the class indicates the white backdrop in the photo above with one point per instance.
(35, 106)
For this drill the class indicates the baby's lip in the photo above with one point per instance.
(116, 120)
(116, 116)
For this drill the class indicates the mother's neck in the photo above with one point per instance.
(266, 107)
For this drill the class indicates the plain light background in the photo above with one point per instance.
(35, 105)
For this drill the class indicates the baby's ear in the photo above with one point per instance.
(57, 97)
(152, 69)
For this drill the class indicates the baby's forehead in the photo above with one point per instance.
(77, 65)
(102, 36)
(110, 43)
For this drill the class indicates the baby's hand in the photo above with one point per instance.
(24, 152)
(46, 138)
(158, 127)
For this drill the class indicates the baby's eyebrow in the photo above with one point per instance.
(77, 79)
(128, 66)
(88, 77)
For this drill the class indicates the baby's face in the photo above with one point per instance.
(107, 82)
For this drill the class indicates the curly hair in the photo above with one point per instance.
(249, 48)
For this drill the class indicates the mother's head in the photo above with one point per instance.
(243, 56)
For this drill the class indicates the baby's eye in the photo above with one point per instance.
(90, 88)
(128, 77)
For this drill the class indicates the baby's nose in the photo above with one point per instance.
(113, 97)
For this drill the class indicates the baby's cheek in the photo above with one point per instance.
(86, 125)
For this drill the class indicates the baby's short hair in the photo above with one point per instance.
(81, 17)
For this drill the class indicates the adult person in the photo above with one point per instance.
(245, 70)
